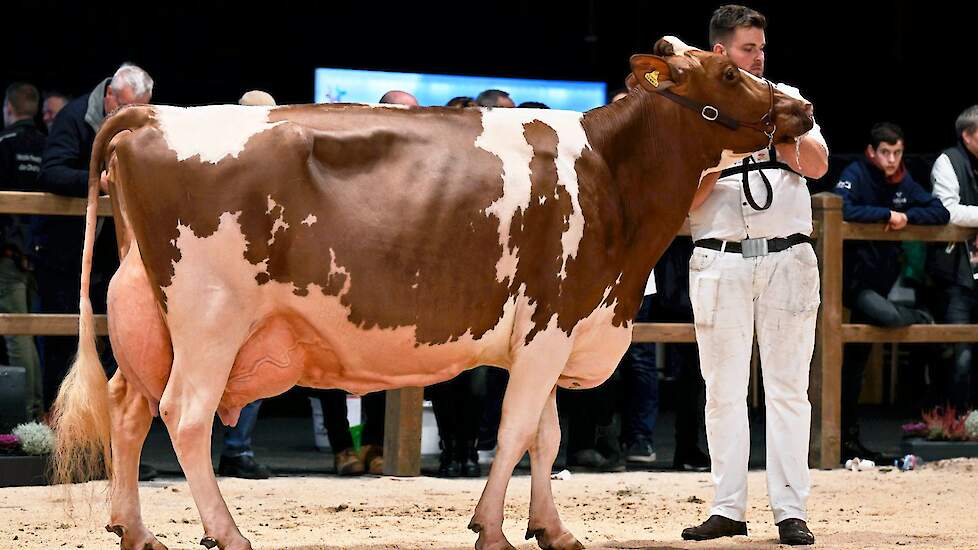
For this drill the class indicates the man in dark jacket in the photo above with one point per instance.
(877, 189)
(58, 245)
(21, 144)
(955, 179)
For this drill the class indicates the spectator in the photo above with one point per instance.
(373, 405)
(494, 98)
(21, 145)
(461, 102)
(58, 241)
(874, 189)
(458, 404)
(53, 103)
(237, 456)
(619, 94)
(671, 304)
(956, 185)
(397, 97)
(532, 105)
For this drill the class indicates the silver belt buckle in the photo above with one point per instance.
(751, 248)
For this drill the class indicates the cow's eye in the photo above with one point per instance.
(730, 74)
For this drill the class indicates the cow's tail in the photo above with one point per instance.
(80, 416)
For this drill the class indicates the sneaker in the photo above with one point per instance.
(147, 472)
(693, 460)
(641, 451)
(589, 459)
(348, 463)
(243, 466)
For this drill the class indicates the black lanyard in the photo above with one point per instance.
(750, 165)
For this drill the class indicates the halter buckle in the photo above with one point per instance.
(710, 113)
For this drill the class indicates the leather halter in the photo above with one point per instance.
(766, 125)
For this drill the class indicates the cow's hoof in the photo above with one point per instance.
(208, 542)
(562, 541)
(130, 541)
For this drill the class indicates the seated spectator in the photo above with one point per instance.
(21, 145)
(956, 185)
(53, 103)
(494, 98)
(532, 105)
(875, 189)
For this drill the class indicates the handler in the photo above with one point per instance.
(754, 269)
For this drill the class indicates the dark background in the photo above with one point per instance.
(910, 62)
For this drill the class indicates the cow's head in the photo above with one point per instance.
(749, 112)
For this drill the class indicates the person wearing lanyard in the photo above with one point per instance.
(754, 271)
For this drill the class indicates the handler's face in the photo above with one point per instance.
(746, 49)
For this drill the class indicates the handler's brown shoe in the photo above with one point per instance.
(795, 532)
(373, 458)
(348, 463)
(714, 528)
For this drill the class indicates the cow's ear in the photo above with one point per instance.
(650, 72)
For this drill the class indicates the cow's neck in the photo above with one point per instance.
(655, 161)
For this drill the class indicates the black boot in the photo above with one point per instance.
(852, 447)
(468, 459)
(447, 465)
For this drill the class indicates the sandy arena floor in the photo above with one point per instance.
(935, 507)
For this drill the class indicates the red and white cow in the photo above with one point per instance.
(366, 248)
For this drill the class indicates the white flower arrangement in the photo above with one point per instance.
(35, 438)
(971, 425)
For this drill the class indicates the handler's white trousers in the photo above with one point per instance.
(777, 294)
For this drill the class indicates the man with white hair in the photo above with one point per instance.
(58, 239)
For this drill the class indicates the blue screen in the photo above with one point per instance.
(355, 86)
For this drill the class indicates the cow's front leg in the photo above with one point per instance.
(189, 402)
(544, 522)
(131, 419)
(531, 380)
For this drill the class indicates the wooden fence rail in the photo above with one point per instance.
(402, 442)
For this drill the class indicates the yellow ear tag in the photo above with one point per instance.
(653, 78)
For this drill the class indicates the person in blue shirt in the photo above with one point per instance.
(877, 189)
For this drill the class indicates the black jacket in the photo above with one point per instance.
(21, 145)
(64, 171)
(868, 198)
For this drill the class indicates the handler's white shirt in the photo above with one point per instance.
(726, 214)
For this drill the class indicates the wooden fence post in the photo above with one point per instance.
(825, 382)
(402, 432)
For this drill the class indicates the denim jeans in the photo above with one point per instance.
(21, 350)
(237, 440)
(640, 386)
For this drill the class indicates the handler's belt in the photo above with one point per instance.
(750, 165)
(751, 248)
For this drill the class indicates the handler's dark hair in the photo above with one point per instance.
(727, 18)
(885, 132)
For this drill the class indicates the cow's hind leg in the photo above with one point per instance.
(531, 380)
(189, 402)
(544, 523)
(131, 419)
